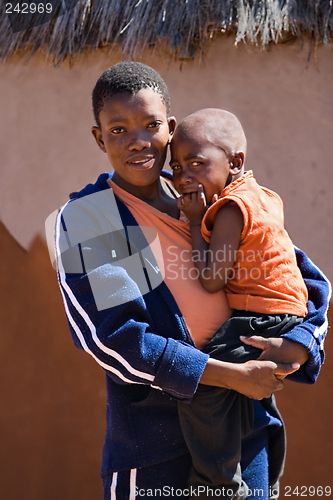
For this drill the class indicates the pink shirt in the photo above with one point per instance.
(204, 312)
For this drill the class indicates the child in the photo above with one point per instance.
(238, 243)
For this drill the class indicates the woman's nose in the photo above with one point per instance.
(139, 141)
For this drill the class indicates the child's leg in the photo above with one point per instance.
(213, 426)
(226, 346)
(217, 419)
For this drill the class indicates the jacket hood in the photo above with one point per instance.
(102, 184)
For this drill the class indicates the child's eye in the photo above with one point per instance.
(175, 168)
(196, 163)
(117, 130)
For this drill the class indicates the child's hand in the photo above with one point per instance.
(193, 205)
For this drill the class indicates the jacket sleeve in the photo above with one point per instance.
(107, 313)
(311, 333)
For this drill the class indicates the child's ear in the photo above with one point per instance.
(97, 133)
(237, 163)
(172, 126)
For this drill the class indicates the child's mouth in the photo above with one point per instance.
(188, 191)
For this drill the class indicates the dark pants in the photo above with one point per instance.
(169, 479)
(217, 419)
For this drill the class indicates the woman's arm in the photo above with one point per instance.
(254, 379)
(124, 338)
(102, 287)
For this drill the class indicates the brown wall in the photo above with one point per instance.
(53, 395)
(53, 401)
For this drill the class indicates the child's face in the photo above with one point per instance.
(194, 161)
(134, 133)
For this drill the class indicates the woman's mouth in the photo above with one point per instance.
(142, 163)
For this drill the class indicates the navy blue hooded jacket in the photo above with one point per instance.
(132, 326)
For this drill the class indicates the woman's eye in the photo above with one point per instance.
(154, 124)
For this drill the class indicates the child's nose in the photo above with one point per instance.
(185, 177)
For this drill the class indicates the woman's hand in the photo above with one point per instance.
(259, 379)
(254, 379)
(279, 350)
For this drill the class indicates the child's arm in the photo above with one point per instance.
(214, 260)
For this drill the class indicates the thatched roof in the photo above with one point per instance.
(183, 26)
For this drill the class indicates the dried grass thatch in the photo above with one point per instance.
(185, 25)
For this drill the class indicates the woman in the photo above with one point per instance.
(135, 320)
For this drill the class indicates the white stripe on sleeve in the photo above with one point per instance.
(85, 317)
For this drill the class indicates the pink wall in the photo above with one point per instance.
(284, 102)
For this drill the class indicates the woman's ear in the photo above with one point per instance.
(237, 163)
(172, 126)
(97, 133)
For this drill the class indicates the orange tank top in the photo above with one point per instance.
(265, 277)
(203, 312)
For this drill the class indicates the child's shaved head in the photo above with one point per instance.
(218, 127)
(208, 149)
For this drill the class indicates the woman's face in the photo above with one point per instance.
(134, 133)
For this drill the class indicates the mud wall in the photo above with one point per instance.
(53, 402)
